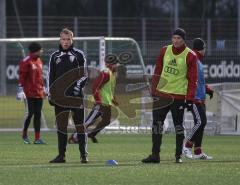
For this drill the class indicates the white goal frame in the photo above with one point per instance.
(102, 52)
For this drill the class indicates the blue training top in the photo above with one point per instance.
(201, 85)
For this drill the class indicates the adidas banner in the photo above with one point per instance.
(219, 69)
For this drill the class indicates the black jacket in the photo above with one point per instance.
(63, 61)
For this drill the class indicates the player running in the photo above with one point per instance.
(103, 92)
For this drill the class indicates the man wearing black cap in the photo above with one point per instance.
(173, 88)
(31, 88)
(103, 92)
(199, 108)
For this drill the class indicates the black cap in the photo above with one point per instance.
(34, 47)
(180, 32)
(198, 44)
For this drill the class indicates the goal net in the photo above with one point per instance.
(132, 89)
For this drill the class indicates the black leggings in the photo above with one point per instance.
(33, 107)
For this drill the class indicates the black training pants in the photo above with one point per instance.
(161, 106)
(98, 111)
(62, 115)
(33, 107)
(200, 121)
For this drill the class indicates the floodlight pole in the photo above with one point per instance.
(39, 18)
(238, 43)
(3, 47)
(209, 37)
(176, 14)
(2, 18)
(109, 18)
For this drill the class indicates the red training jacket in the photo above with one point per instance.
(30, 77)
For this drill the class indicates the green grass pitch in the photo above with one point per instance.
(28, 164)
(12, 113)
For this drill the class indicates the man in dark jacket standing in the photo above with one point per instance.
(62, 62)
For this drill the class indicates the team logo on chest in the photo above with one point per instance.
(172, 62)
(58, 60)
(71, 57)
(171, 70)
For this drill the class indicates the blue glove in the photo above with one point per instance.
(20, 93)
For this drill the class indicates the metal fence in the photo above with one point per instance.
(220, 34)
(141, 29)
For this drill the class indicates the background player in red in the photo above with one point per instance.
(31, 87)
